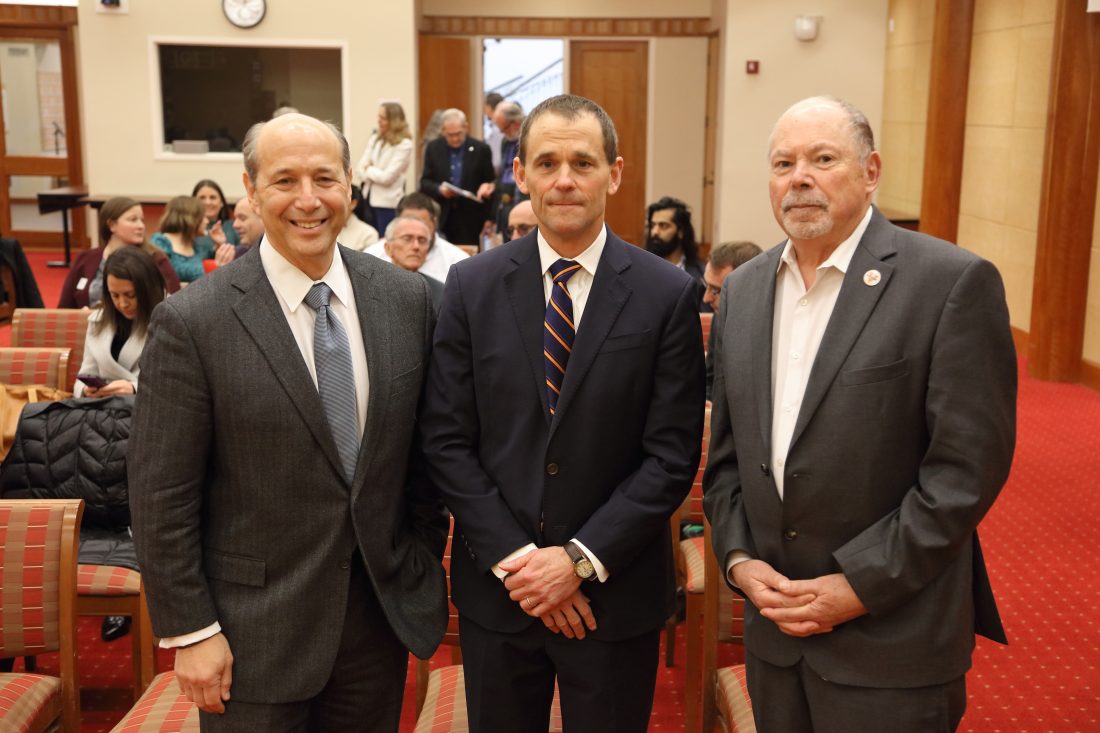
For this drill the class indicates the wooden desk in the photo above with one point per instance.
(62, 199)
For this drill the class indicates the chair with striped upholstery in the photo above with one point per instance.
(162, 709)
(36, 365)
(725, 696)
(64, 328)
(38, 566)
(441, 692)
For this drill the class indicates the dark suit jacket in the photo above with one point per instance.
(903, 441)
(613, 464)
(241, 512)
(462, 219)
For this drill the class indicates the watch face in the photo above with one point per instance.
(244, 13)
(584, 569)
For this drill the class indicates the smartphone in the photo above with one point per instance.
(92, 380)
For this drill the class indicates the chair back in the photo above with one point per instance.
(38, 546)
(34, 365)
(65, 328)
(705, 320)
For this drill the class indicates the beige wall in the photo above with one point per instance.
(569, 8)
(847, 60)
(677, 108)
(1005, 126)
(905, 104)
(1092, 314)
(115, 87)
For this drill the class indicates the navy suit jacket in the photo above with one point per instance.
(611, 466)
(461, 219)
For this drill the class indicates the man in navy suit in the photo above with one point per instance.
(456, 158)
(563, 420)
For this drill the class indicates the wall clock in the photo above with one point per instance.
(244, 13)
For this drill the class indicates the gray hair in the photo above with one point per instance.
(511, 111)
(252, 138)
(858, 126)
(391, 228)
(452, 113)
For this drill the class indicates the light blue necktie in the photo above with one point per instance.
(335, 378)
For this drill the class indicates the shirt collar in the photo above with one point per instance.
(588, 259)
(840, 258)
(293, 285)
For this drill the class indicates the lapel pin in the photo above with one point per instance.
(872, 278)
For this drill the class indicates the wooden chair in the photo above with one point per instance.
(35, 365)
(162, 709)
(441, 693)
(7, 277)
(705, 320)
(108, 590)
(38, 561)
(64, 328)
(725, 696)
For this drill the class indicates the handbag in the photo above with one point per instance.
(13, 398)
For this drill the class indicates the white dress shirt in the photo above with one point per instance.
(798, 324)
(291, 286)
(579, 286)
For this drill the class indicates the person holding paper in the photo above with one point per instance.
(464, 163)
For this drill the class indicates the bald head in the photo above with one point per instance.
(289, 123)
(521, 219)
(853, 119)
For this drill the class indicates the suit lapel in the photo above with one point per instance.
(526, 294)
(376, 340)
(762, 321)
(854, 306)
(606, 299)
(261, 315)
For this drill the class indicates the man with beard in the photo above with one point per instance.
(672, 236)
(863, 424)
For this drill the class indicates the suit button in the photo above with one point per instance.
(551, 469)
(345, 564)
(790, 534)
(765, 470)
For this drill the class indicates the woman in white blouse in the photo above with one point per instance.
(381, 171)
(133, 286)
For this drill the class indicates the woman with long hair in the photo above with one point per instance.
(381, 171)
(121, 224)
(117, 329)
(219, 214)
(181, 237)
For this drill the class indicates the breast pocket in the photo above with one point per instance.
(873, 374)
(624, 342)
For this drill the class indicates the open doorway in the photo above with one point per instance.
(523, 70)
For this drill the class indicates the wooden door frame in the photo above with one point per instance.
(52, 23)
(610, 29)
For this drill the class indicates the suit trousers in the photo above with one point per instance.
(363, 693)
(797, 699)
(605, 686)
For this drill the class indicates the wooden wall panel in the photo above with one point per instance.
(558, 27)
(445, 79)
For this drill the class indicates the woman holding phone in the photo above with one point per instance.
(133, 286)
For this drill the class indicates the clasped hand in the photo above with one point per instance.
(798, 607)
(205, 673)
(544, 585)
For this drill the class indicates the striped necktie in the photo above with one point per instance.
(335, 378)
(558, 330)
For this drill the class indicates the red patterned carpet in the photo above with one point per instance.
(1040, 541)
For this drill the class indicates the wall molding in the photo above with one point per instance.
(450, 25)
(41, 16)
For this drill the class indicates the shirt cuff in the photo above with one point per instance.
(502, 574)
(174, 642)
(601, 571)
(735, 557)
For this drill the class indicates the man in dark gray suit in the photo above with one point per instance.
(289, 545)
(863, 424)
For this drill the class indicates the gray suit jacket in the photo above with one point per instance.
(241, 513)
(904, 439)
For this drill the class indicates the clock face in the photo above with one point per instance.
(244, 13)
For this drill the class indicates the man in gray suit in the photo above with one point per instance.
(863, 424)
(289, 545)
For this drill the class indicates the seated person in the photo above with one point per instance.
(357, 234)
(181, 238)
(249, 227)
(441, 254)
(219, 222)
(121, 223)
(407, 242)
(118, 327)
(724, 259)
(521, 220)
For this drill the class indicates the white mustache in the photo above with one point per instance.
(793, 199)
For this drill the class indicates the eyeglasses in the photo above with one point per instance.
(520, 230)
(410, 238)
(716, 291)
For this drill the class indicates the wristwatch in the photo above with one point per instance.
(582, 566)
